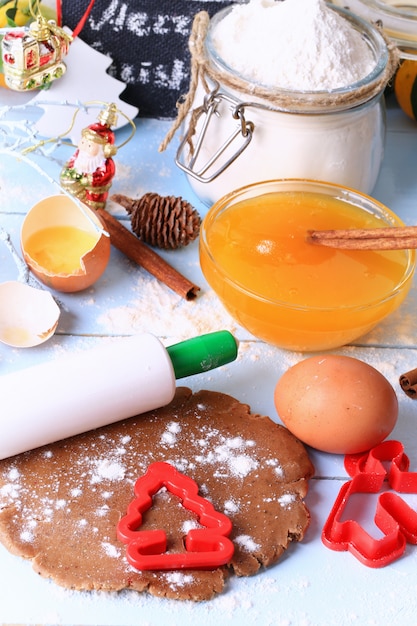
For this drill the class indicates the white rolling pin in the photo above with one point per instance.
(83, 391)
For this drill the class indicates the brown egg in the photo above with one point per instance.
(336, 404)
(64, 244)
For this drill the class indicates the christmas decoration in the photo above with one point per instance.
(166, 222)
(205, 548)
(71, 93)
(33, 56)
(89, 173)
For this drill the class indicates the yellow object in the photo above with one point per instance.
(64, 244)
(261, 243)
(292, 293)
(23, 13)
(60, 249)
(405, 87)
(20, 17)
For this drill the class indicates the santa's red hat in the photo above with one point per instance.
(103, 135)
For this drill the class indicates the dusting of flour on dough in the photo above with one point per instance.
(247, 543)
(207, 436)
(178, 579)
(232, 456)
(108, 470)
(286, 500)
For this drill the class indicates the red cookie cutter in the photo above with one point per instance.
(206, 548)
(393, 516)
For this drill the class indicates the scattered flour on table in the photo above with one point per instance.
(293, 44)
(156, 309)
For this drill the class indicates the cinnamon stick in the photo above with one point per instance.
(390, 238)
(408, 383)
(125, 241)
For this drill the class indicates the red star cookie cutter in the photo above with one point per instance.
(393, 516)
(206, 548)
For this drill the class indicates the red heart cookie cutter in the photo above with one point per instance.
(206, 548)
(393, 516)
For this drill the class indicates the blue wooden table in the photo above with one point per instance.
(311, 585)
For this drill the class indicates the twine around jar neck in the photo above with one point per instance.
(202, 69)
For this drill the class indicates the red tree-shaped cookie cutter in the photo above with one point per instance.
(206, 548)
(393, 516)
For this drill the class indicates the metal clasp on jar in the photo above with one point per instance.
(241, 136)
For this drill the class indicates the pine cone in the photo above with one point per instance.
(166, 222)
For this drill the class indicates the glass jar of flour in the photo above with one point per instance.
(239, 130)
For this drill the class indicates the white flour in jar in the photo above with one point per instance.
(309, 81)
(293, 44)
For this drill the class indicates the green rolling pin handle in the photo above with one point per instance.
(203, 353)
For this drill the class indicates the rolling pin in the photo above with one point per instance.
(82, 391)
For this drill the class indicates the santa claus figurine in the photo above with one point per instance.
(89, 172)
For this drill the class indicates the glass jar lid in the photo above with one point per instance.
(398, 19)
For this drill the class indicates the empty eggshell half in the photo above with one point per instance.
(64, 244)
(28, 316)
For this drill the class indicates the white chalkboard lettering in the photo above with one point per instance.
(147, 41)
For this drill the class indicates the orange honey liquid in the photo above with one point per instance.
(59, 249)
(260, 243)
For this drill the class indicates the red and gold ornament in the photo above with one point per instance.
(33, 55)
(88, 174)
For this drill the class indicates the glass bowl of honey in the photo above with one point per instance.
(256, 255)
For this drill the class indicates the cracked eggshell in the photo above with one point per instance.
(336, 404)
(62, 210)
(28, 316)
